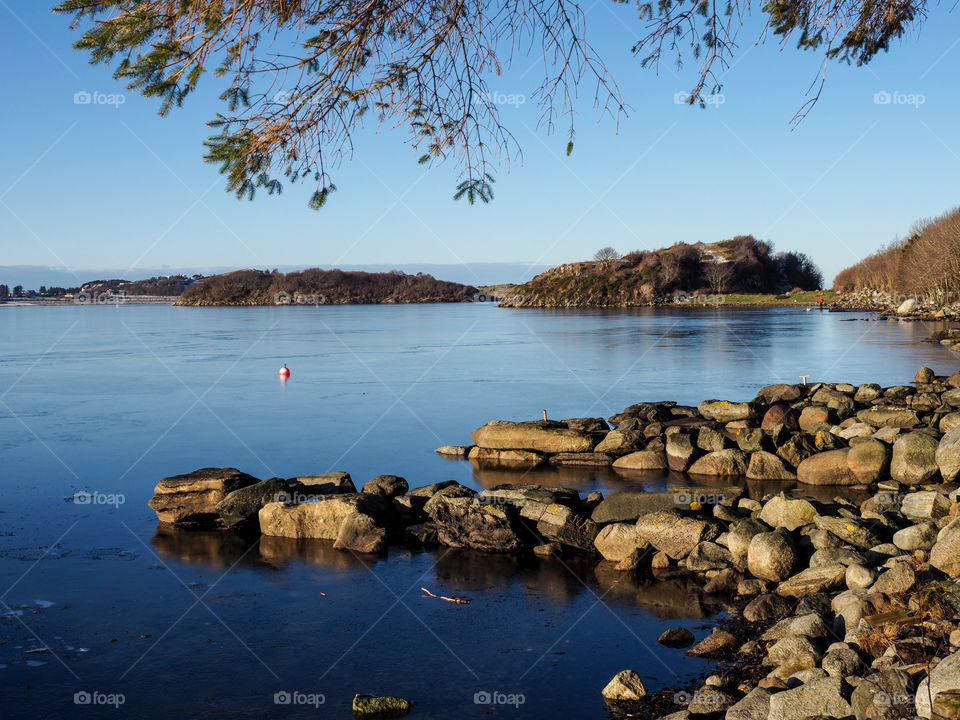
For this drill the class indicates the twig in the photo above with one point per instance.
(458, 601)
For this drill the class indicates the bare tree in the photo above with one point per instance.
(669, 267)
(718, 273)
(606, 254)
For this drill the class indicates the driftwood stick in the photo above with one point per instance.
(458, 601)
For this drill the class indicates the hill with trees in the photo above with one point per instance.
(741, 264)
(925, 264)
(323, 287)
(162, 286)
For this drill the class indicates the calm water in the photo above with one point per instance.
(110, 399)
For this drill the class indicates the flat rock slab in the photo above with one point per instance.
(538, 436)
(813, 580)
(192, 498)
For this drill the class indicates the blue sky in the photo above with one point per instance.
(116, 186)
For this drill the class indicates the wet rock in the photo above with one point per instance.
(642, 460)
(722, 463)
(813, 580)
(673, 534)
(192, 498)
(924, 375)
(520, 495)
(767, 466)
(386, 486)
(771, 556)
(548, 549)
(821, 698)
(781, 511)
(676, 637)
(242, 506)
(714, 644)
(466, 523)
(538, 436)
(628, 505)
(914, 458)
(626, 686)
(827, 468)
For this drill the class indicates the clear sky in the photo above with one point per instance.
(117, 186)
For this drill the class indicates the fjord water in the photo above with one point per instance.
(97, 599)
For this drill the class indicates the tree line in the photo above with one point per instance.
(925, 263)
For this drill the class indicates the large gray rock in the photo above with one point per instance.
(948, 454)
(467, 523)
(926, 505)
(914, 458)
(755, 705)
(771, 556)
(898, 579)
(506, 458)
(539, 436)
(386, 486)
(827, 468)
(842, 662)
(792, 647)
(823, 698)
(945, 676)
(320, 519)
(767, 466)
(628, 505)
(945, 554)
(741, 533)
(889, 416)
(813, 580)
(789, 513)
(673, 534)
(722, 463)
(192, 499)
(883, 696)
(922, 536)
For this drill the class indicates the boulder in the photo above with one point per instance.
(586, 424)
(883, 695)
(331, 483)
(192, 498)
(781, 393)
(319, 519)
(922, 536)
(914, 458)
(561, 524)
(619, 442)
(907, 306)
(755, 705)
(841, 662)
(812, 416)
(708, 556)
(642, 460)
(948, 455)
(949, 421)
(796, 448)
(750, 440)
(945, 676)
(506, 458)
(386, 486)
(889, 416)
(520, 495)
(868, 460)
(724, 411)
(779, 415)
(674, 534)
(926, 505)
(466, 523)
(771, 556)
(538, 436)
(628, 505)
(821, 698)
(764, 607)
(924, 375)
(853, 532)
(813, 580)
(722, 463)
(710, 440)
(676, 637)
(617, 541)
(791, 648)
(898, 579)
(451, 489)
(741, 533)
(242, 506)
(789, 513)
(767, 466)
(859, 577)
(360, 533)
(827, 468)
(681, 452)
(716, 643)
(454, 451)
(626, 686)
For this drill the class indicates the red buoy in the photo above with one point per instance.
(284, 371)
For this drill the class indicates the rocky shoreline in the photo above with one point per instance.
(833, 609)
